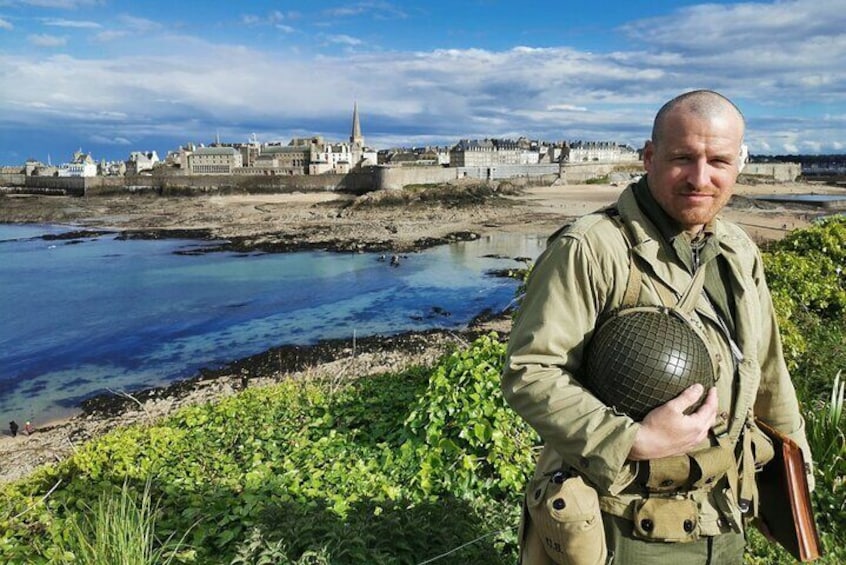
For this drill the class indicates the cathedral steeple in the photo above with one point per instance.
(356, 138)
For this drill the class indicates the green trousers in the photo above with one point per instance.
(625, 549)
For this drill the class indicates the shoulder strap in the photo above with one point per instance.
(686, 303)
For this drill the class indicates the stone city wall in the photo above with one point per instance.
(357, 182)
(772, 172)
(580, 173)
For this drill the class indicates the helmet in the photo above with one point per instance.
(641, 357)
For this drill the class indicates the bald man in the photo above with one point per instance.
(679, 483)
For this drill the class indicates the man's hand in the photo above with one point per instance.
(667, 430)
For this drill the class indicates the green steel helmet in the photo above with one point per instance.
(641, 357)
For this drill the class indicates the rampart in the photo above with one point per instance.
(771, 172)
(359, 181)
(580, 173)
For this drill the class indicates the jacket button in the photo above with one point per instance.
(724, 415)
(721, 523)
(559, 504)
(667, 483)
(688, 526)
(558, 477)
(646, 525)
(709, 480)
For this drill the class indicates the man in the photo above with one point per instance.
(678, 484)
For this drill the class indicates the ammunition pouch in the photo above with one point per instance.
(666, 519)
(697, 470)
(565, 514)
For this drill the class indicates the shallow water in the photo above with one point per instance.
(83, 316)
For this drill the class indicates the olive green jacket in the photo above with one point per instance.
(580, 277)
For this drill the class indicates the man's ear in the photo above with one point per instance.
(742, 158)
(648, 154)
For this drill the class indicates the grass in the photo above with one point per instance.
(119, 529)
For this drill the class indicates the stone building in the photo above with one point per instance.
(600, 151)
(489, 152)
(280, 160)
(83, 165)
(214, 161)
(140, 161)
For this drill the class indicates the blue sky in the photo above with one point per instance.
(113, 77)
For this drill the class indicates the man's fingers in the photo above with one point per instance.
(689, 396)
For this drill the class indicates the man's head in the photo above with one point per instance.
(694, 156)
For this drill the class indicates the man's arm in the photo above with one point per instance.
(565, 293)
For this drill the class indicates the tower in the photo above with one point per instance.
(356, 138)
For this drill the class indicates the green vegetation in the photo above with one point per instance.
(427, 465)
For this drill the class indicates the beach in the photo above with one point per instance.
(391, 222)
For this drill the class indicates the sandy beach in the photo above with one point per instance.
(336, 222)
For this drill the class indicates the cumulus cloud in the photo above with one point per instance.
(45, 40)
(5, 24)
(185, 86)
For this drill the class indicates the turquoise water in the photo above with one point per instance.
(80, 317)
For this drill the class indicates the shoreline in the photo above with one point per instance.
(54, 440)
(332, 222)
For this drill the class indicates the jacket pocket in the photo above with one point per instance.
(565, 512)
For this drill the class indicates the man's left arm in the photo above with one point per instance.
(776, 402)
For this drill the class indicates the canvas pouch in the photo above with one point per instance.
(565, 513)
(666, 519)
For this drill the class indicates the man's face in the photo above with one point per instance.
(692, 169)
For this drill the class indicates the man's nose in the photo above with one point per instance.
(698, 174)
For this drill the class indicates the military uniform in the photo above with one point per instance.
(581, 277)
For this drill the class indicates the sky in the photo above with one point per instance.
(111, 77)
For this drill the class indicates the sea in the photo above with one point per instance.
(88, 315)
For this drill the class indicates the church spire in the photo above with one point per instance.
(356, 138)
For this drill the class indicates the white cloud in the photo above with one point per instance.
(104, 140)
(377, 9)
(110, 35)
(566, 108)
(343, 40)
(44, 40)
(80, 24)
(62, 4)
(4, 24)
(812, 146)
(273, 18)
(186, 86)
(139, 24)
